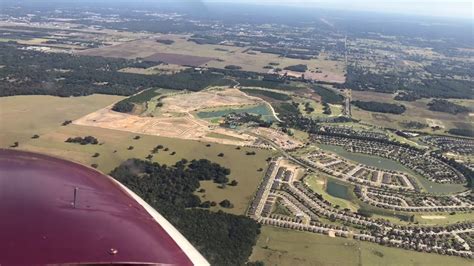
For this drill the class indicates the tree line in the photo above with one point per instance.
(26, 72)
(380, 107)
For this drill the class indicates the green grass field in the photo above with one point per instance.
(25, 116)
(277, 246)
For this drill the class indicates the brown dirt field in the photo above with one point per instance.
(179, 59)
(174, 118)
(186, 127)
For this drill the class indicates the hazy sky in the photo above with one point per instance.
(445, 8)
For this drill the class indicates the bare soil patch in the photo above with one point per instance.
(174, 118)
(186, 127)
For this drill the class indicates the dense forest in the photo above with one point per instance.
(270, 94)
(223, 239)
(27, 72)
(380, 107)
(440, 105)
(360, 79)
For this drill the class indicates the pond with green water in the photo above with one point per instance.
(337, 190)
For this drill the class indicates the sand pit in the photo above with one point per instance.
(433, 217)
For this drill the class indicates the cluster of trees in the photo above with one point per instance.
(224, 239)
(380, 107)
(233, 67)
(83, 141)
(308, 108)
(327, 95)
(441, 105)
(326, 109)
(127, 105)
(414, 124)
(123, 107)
(297, 68)
(167, 42)
(206, 170)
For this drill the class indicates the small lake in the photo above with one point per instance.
(388, 164)
(261, 109)
(337, 190)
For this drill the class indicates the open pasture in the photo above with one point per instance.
(178, 59)
(415, 111)
(23, 116)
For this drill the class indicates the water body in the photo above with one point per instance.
(261, 109)
(388, 164)
(337, 190)
(369, 160)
